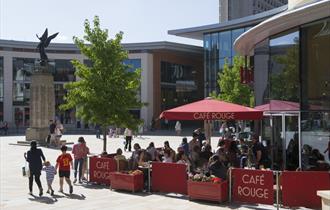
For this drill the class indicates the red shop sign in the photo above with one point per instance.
(253, 186)
(100, 169)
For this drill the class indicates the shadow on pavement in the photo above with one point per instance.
(75, 196)
(250, 206)
(141, 194)
(43, 199)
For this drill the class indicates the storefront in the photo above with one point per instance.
(298, 48)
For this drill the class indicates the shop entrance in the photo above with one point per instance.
(284, 139)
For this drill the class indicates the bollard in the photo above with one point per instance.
(277, 190)
(230, 185)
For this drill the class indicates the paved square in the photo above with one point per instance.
(14, 187)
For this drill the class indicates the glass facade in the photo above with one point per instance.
(133, 65)
(315, 95)
(178, 85)
(218, 46)
(299, 75)
(62, 70)
(1, 88)
(284, 68)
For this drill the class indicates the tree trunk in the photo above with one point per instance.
(104, 139)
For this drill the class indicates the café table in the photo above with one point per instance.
(147, 167)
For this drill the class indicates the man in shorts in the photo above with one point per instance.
(64, 164)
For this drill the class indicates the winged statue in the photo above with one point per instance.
(44, 42)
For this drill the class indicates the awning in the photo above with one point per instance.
(211, 109)
(282, 106)
(245, 43)
(277, 105)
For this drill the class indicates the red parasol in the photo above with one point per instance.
(212, 109)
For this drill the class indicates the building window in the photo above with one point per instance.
(315, 66)
(235, 34)
(315, 96)
(178, 85)
(218, 46)
(225, 44)
(133, 64)
(23, 68)
(62, 70)
(284, 67)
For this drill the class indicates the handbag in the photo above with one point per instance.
(25, 170)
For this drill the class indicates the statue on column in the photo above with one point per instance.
(44, 42)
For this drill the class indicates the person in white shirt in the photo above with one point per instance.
(128, 137)
(167, 156)
(178, 127)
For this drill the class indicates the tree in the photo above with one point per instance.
(105, 91)
(231, 88)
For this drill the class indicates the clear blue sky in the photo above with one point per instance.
(140, 20)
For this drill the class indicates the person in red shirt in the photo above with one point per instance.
(64, 164)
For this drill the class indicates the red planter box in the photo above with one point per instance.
(122, 181)
(208, 191)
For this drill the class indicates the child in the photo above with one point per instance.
(64, 163)
(50, 173)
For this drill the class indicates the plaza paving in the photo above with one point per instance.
(14, 187)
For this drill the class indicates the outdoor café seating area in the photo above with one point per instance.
(238, 170)
(243, 185)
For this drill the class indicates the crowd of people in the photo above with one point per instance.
(198, 155)
(64, 164)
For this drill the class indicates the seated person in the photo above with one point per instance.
(167, 156)
(133, 161)
(182, 158)
(144, 158)
(119, 155)
(167, 147)
(152, 151)
(206, 153)
(217, 167)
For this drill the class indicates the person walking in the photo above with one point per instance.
(34, 157)
(63, 164)
(79, 152)
(50, 174)
(98, 131)
(128, 137)
(178, 128)
(85, 158)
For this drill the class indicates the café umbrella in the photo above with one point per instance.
(211, 109)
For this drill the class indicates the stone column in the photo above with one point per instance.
(42, 104)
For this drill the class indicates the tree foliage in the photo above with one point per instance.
(105, 91)
(231, 88)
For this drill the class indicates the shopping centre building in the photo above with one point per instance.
(289, 49)
(172, 74)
